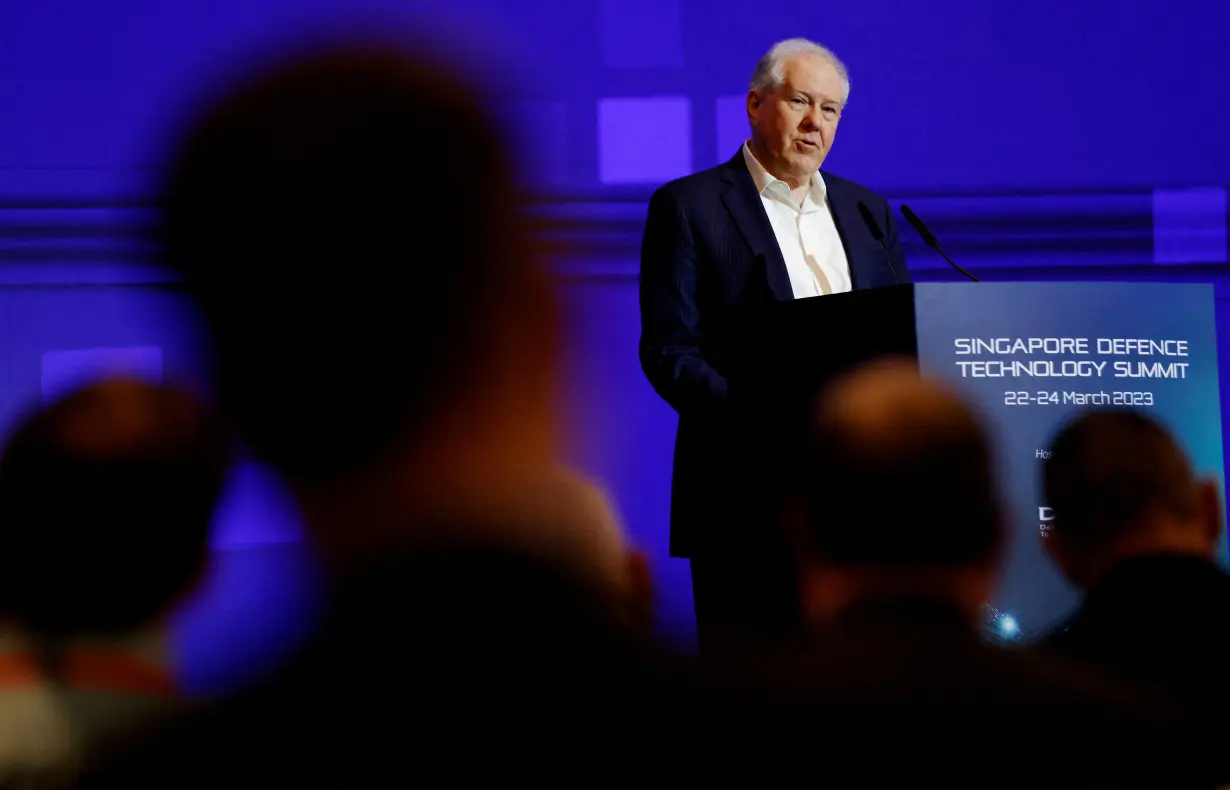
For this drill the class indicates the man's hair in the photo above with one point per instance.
(768, 73)
(107, 499)
(348, 226)
(921, 492)
(1110, 467)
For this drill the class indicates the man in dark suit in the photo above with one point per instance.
(1138, 532)
(766, 226)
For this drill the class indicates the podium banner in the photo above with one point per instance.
(1030, 356)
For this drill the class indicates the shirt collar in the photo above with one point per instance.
(766, 181)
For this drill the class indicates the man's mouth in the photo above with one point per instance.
(809, 143)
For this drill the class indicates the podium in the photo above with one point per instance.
(1027, 356)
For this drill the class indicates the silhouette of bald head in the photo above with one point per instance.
(899, 471)
(107, 499)
(1110, 469)
(1121, 487)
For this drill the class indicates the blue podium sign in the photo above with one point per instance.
(1032, 355)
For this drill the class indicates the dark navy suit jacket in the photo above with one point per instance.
(709, 254)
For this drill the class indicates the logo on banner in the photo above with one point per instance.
(1046, 517)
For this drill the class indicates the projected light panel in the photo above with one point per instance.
(644, 140)
(732, 126)
(1189, 225)
(66, 370)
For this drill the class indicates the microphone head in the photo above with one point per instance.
(870, 219)
(927, 236)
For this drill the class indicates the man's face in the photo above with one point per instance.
(793, 126)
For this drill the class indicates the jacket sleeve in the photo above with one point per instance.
(670, 347)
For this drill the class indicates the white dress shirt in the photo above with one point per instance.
(808, 238)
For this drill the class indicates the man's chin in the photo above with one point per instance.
(806, 165)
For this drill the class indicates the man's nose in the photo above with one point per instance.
(811, 119)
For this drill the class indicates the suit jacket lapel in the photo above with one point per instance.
(743, 202)
(844, 209)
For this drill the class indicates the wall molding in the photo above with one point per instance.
(597, 235)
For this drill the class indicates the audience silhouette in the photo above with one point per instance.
(106, 504)
(1137, 531)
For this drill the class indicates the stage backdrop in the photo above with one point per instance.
(1033, 355)
(1034, 139)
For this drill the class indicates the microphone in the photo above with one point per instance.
(931, 241)
(874, 227)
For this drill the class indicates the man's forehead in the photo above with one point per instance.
(812, 73)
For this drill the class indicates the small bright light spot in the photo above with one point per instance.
(1007, 624)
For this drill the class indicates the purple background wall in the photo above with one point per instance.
(1052, 141)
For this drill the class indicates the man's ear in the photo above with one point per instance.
(640, 588)
(753, 107)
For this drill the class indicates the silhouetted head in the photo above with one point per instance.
(107, 500)
(349, 224)
(1119, 486)
(900, 497)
